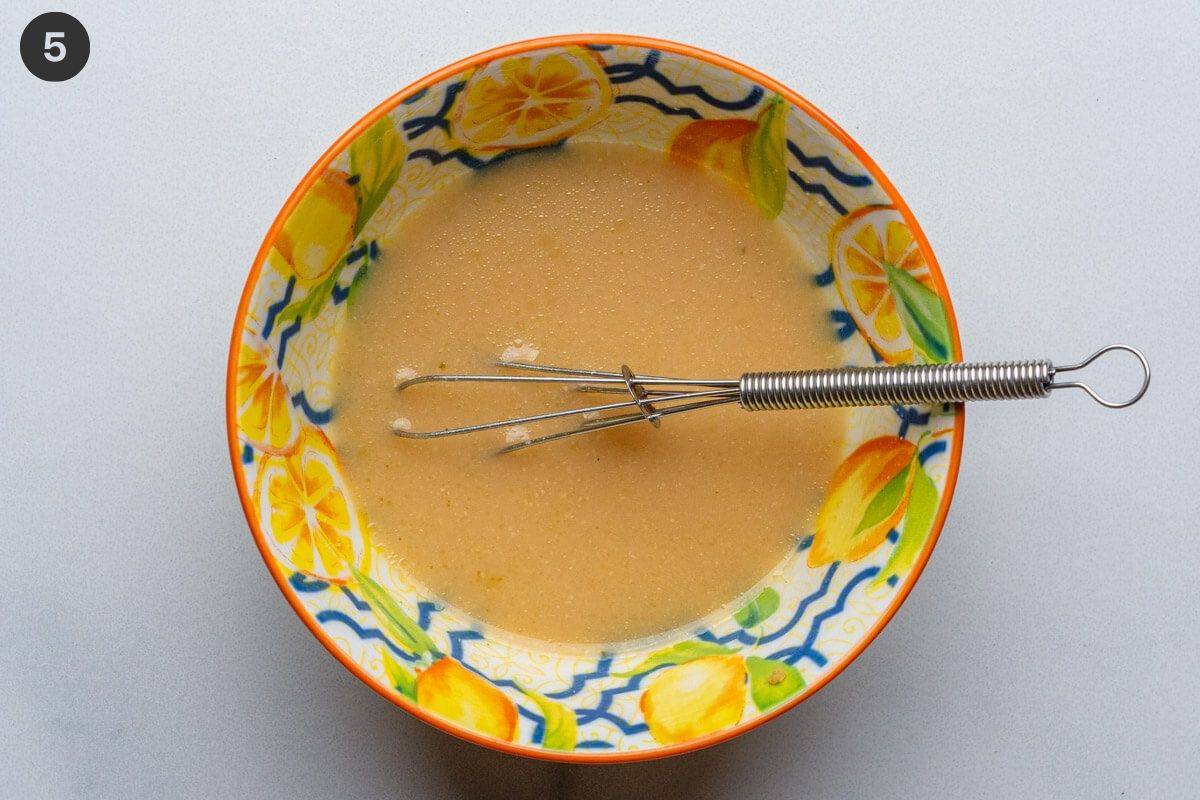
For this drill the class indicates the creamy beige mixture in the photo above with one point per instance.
(592, 256)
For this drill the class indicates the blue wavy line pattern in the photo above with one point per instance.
(357, 254)
(361, 605)
(844, 323)
(672, 111)
(425, 611)
(601, 711)
(419, 126)
(539, 723)
(436, 157)
(340, 293)
(626, 727)
(909, 416)
(414, 98)
(456, 641)
(823, 162)
(931, 450)
(305, 585)
(818, 189)
(274, 309)
(628, 72)
(328, 615)
(793, 654)
(581, 679)
(284, 337)
(367, 252)
(315, 415)
(742, 637)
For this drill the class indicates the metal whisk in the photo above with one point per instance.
(652, 397)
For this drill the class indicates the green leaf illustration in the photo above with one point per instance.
(398, 626)
(308, 307)
(680, 653)
(884, 504)
(356, 285)
(772, 681)
(561, 726)
(376, 157)
(918, 522)
(399, 676)
(764, 154)
(758, 609)
(923, 315)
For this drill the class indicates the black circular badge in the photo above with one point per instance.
(55, 46)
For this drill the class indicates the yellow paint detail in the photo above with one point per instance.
(311, 523)
(452, 691)
(319, 229)
(838, 534)
(690, 700)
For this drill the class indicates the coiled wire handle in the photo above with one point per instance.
(902, 385)
(919, 384)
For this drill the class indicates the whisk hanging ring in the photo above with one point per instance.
(1092, 392)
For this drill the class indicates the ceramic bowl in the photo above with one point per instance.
(869, 265)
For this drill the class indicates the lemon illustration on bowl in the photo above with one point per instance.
(266, 417)
(747, 152)
(312, 525)
(866, 498)
(450, 690)
(319, 229)
(715, 145)
(696, 698)
(531, 100)
(887, 287)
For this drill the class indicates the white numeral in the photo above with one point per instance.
(59, 49)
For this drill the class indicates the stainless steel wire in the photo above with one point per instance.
(902, 385)
(652, 397)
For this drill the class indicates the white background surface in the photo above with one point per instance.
(1048, 651)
